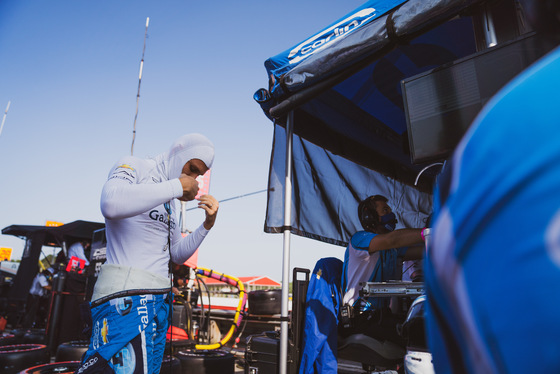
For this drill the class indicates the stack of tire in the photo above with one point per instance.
(30, 335)
(55, 368)
(71, 351)
(17, 357)
(21, 349)
(7, 339)
(33, 358)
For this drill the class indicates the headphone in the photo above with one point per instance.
(367, 214)
(48, 275)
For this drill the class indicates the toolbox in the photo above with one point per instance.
(262, 352)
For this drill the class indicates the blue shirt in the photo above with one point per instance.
(361, 266)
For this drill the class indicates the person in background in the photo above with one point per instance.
(181, 275)
(79, 250)
(131, 299)
(493, 267)
(37, 299)
(371, 256)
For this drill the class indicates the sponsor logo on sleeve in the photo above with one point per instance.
(124, 172)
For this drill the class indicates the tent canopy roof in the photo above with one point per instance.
(54, 236)
(343, 83)
(343, 88)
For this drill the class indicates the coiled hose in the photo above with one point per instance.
(233, 281)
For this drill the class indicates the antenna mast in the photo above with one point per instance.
(139, 82)
(4, 118)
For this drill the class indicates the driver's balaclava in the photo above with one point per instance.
(184, 149)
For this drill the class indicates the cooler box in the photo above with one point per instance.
(262, 352)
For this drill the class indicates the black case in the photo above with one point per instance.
(261, 353)
(179, 316)
(265, 302)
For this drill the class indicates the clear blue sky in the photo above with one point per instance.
(70, 70)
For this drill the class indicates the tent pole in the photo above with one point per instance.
(286, 252)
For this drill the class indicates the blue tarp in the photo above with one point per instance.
(350, 23)
(351, 142)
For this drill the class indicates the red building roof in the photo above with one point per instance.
(249, 281)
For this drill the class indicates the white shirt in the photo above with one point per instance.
(77, 250)
(132, 202)
(37, 287)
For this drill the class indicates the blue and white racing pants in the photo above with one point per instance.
(128, 335)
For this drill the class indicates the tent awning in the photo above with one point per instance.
(54, 236)
(350, 128)
(373, 30)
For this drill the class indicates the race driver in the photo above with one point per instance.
(131, 299)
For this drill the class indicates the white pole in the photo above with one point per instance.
(184, 229)
(139, 83)
(4, 118)
(286, 253)
(489, 29)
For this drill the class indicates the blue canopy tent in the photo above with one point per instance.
(340, 121)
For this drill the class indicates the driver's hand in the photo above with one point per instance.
(190, 187)
(210, 205)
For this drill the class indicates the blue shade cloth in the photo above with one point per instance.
(327, 190)
(493, 268)
(321, 318)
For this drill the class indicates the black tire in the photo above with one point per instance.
(8, 339)
(14, 358)
(68, 367)
(35, 337)
(71, 351)
(30, 336)
(206, 361)
(170, 365)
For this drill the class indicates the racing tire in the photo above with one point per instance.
(8, 339)
(170, 365)
(30, 335)
(14, 358)
(71, 351)
(206, 361)
(67, 367)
